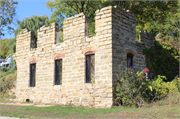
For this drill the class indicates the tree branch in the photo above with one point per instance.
(82, 6)
(72, 7)
(87, 6)
(79, 9)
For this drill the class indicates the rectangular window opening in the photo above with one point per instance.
(33, 43)
(32, 75)
(130, 61)
(59, 35)
(90, 25)
(90, 68)
(58, 72)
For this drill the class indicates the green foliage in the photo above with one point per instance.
(12, 47)
(11, 43)
(4, 69)
(169, 27)
(63, 9)
(7, 13)
(60, 35)
(163, 59)
(140, 73)
(4, 49)
(133, 89)
(8, 47)
(176, 82)
(160, 89)
(153, 16)
(33, 24)
(130, 89)
(4, 74)
(7, 81)
(92, 26)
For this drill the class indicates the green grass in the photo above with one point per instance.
(82, 112)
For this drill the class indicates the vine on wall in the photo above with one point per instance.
(163, 59)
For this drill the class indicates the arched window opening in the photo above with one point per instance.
(130, 60)
(58, 59)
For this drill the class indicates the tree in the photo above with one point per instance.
(169, 28)
(33, 24)
(144, 11)
(64, 9)
(147, 13)
(7, 12)
(4, 48)
(165, 22)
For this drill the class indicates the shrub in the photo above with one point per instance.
(4, 69)
(130, 89)
(160, 89)
(7, 82)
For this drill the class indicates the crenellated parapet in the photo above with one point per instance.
(109, 19)
(123, 25)
(23, 41)
(47, 35)
(103, 21)
(74, 27)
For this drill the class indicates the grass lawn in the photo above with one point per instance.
(33, 112)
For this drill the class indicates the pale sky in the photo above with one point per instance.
(27, 8)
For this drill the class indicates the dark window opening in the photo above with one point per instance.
(59, 35)
(33, 43)
(58, 72)
(129, 60)
(90, 68)
(32, 74)
(90, 25)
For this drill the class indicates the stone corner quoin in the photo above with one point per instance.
(113, 41)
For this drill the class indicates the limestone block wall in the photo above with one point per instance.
(146, 39)
(114, 38)
(72, 51)
(123, 41)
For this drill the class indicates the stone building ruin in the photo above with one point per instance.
(82, 69)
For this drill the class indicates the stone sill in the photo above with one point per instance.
(90, 35)
(88, 83)
(33, 49)
(60, 43)
(57, 85)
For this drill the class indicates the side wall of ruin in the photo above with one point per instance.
(123, 42)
